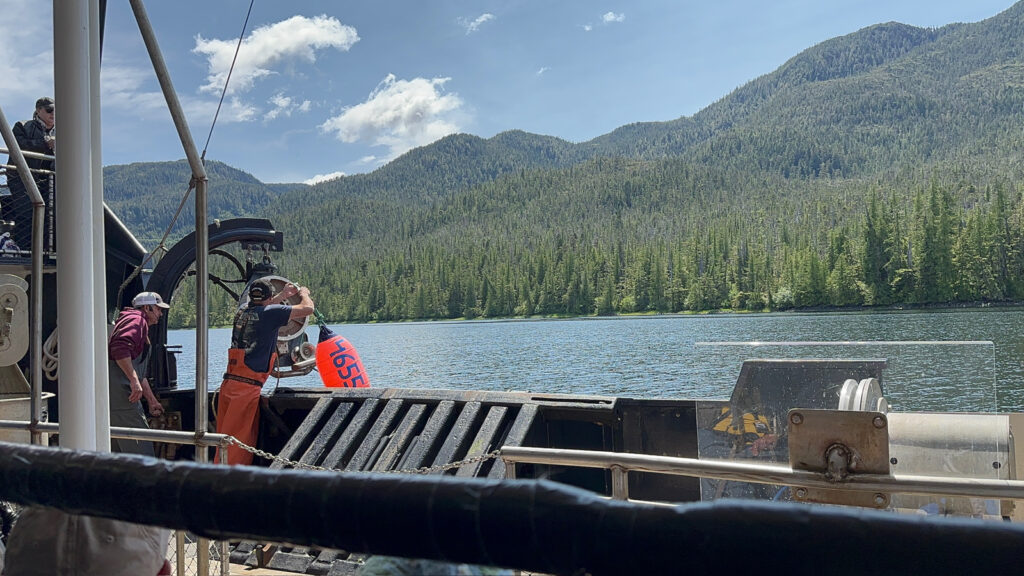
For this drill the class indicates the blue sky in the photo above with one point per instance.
(327, 87)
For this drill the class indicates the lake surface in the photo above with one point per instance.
(959, 360)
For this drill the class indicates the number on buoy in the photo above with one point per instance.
(338, 362)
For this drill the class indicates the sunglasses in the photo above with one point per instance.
(49, 109)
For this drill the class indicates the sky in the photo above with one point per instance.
(323, 88)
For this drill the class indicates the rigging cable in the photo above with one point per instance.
(227, 80)
(320, 319)
(159, 247)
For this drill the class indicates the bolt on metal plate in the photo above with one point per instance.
(838, 444)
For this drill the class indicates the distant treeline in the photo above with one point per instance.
(937, 251)
(667, 239)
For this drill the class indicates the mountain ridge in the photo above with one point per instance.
(832, 180)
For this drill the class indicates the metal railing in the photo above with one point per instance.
(621, 464)
(207, 440)
(47, 221)
(27, 154)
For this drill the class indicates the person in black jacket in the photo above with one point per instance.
(35, 135)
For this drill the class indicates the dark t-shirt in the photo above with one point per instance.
(255, 331)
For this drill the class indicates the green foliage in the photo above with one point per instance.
(147, 195)
(878, 168)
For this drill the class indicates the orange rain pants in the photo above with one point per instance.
(238, 405)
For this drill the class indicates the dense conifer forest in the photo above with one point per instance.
(882, 168)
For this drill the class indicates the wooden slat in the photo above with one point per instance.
(292, 448)
(484, 439)
(459, 432)
(383, 423)
(353, 433)
(516, 435)
(322, 441)
(400, 438)
(436, 425)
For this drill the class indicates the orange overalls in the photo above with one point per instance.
(238, 407)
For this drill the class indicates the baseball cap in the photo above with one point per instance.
(260, 290)
(146, 298)
(44, 102)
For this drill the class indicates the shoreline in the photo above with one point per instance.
(933, 307)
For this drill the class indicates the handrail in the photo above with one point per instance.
(534, 525)
(757, 473)
(168, 436)
(29, 154)
(626, 462)
(43, 171)
(36, 294)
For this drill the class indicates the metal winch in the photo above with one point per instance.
(296, 354)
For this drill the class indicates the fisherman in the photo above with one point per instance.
(252, 355)
(129, 353)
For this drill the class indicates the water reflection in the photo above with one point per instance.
(659, 357)
(943, 376)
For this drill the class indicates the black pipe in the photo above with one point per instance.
(533, 525)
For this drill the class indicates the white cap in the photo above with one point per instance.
(148, 298)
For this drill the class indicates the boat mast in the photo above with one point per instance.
(81, 258)
(98, 236)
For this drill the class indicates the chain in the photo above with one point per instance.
(450, 465)
(422, 470)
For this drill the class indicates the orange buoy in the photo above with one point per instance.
(338, 362)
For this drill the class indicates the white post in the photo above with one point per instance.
(76, 295)
(99, 262)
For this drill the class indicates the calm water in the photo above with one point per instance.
(950, 361)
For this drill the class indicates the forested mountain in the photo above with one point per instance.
(878, 168)
(146, 195)
(887, 96)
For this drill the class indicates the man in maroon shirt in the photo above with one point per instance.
(129, 353)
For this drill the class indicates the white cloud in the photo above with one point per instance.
(323, 178)
(282, 105)
(26, 57)
(123, 89)
(201, 112)
(542, 70)
(606, 19)
(297, 38)
(474, 25)
(399, 114)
